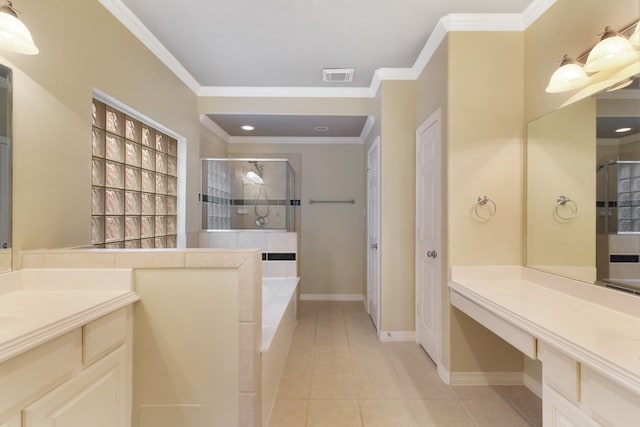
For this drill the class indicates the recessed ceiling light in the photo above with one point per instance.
(622, 130)
(321, 128)
(247, 127)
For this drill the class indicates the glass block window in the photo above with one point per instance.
(629, 197)
(134, 182)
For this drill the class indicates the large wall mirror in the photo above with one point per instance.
(5, 167)
(583, 190)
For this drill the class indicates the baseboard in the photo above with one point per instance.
(533, 385)
(331, 297)
(395, 336)
(486, 378)
(444, 374)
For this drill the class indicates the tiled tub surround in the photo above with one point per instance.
(595, 329)
(197, 331)
(624, 260)
(279, 249)
(279, 321)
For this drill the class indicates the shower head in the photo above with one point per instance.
(258, 167)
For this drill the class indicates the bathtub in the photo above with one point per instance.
(630, 285)
(279, 319)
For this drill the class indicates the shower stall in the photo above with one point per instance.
(247, 194)
(618, 210)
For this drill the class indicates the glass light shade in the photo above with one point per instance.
(14, 35)
(613, 51)
(568, 77)
(635, 37)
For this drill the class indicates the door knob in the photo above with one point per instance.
(374, 246)
(432, 254)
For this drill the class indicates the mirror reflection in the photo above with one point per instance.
(583, 190)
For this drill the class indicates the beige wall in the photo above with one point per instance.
(397, 205)
(485, 156)
(82, 46)
(331, 250)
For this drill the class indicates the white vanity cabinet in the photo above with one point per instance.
(80, 379)
(574, 395)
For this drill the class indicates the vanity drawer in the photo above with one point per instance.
(513, 335)
(608, 403)
(560, 372)
(105, 334)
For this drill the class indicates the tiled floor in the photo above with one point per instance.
(339, 374)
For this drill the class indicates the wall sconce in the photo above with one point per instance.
(14, 35)
(613, 51)
(569, 76)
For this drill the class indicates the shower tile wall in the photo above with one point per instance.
(279, 249)
(629, 198)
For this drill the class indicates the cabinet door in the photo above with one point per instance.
(96, 398)
(559, 412)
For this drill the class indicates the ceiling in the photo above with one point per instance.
(290, 126)
(287, 43)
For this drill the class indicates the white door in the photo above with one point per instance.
(427, 205)
(373, 232)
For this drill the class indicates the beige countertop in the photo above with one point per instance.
(39, 305)
(598, 327)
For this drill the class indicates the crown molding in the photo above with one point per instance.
(284, 92)
(483, 22)
(535, 10)
(436, 37)
(367, 128)
(451, 22)
(214, 127)
(127, 18)
(293, 140)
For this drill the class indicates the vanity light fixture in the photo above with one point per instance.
(247, 127)
(634, 39)
(612, 51)
(14, 35)
(569, 76)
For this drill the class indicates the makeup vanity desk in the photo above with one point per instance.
(587, 337)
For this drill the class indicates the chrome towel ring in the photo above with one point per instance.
(484, 201)
(566, 202)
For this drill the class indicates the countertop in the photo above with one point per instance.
(39, 305)
(598, 327)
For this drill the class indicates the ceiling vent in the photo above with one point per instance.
(337, 75)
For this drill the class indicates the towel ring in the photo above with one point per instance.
(482, 201)
(564, 201)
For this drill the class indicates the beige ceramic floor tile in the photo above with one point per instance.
(334, 413)
(440, 413)
(531, 408)
(387, 413)
(466, 392)
(494, 412)
(378, 386)
(333, 386)
(289, 413)
(294, 385)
